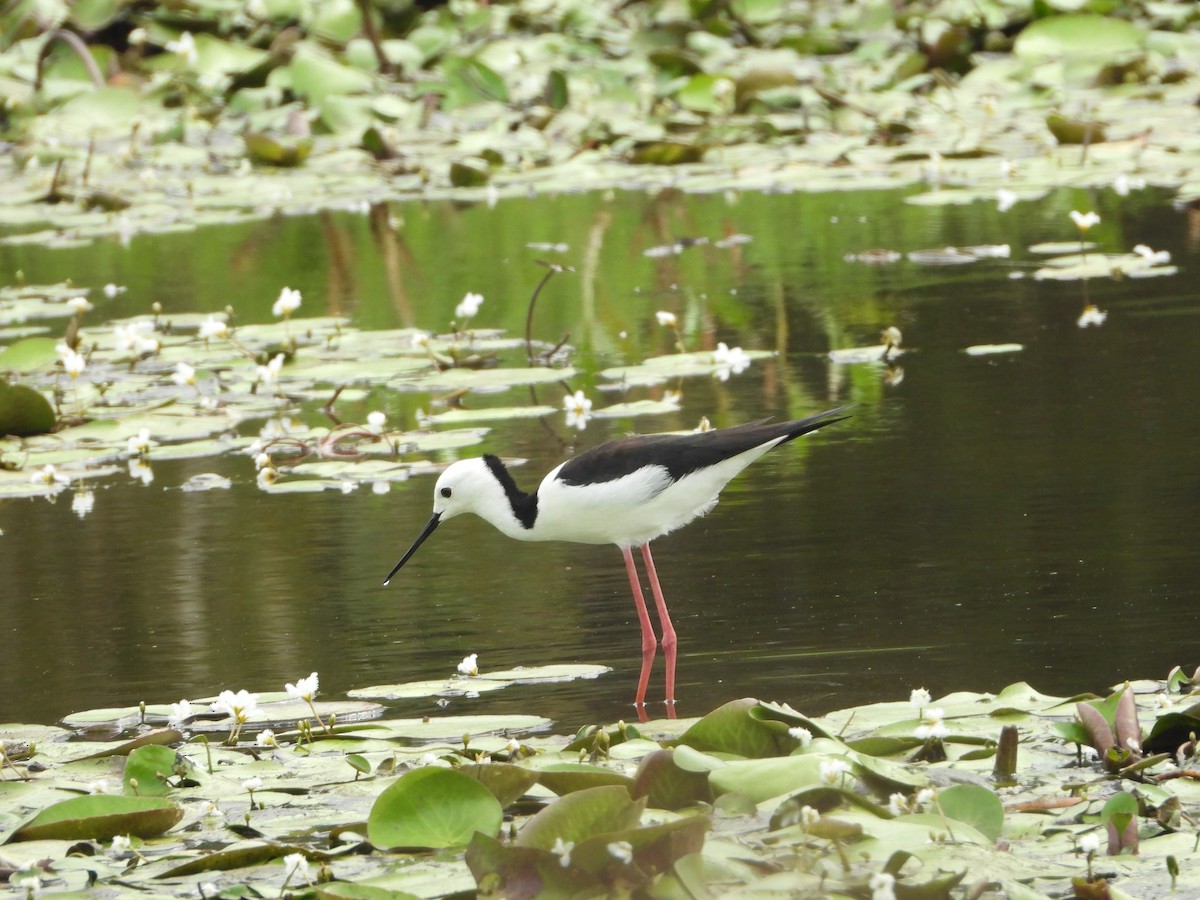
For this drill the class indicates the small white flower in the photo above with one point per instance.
(897, 804)
(185, 46)
(266, 738)
(73, 363)
(121, 843)
(376, 421)
(621, 851)
(262, 461)
(80, 305)
(139, 444)
(1005, 199)
(111, 290)
(882, 886)
(513, 745)
(295, 864)
(31, 884)
(932, 725)
(136, 338)
(666, 319)
(252, 784)
(1123, 184)
(208, 889)
(729, 361)
(1089, 843)
(48, 474)
(562, 849)
(212, 327)
(83, 503)
(304, 688)
(269, 374)
(923, 800)
(469, 665)
(210, 810)
(381, 487)
(579, 409)
(919, 697)
(803, 735)
(1084, 221)
(420, 340)
(468, 306)
(100, 786)
(240, 706)
(832, 770)
(809, 816)
(183, 374)
(180, 712)
(267, 476)
(288, 302)
(1091, 315)
(1152, 257)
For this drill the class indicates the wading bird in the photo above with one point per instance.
(625, 492)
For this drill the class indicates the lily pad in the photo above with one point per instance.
(434, 808)
(101, 818)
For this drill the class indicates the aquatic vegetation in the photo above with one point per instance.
(751, 796)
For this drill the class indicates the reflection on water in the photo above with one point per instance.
(980, 520)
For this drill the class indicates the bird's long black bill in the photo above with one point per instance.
(429, 529)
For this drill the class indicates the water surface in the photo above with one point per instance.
(980, 520)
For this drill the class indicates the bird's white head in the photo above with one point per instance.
(468, 486)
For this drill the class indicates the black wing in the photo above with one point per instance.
(680, 454)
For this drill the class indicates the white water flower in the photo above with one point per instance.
(621, 851)
(1152, 257)
(212, 327)
(185, 46)
(809, 816)
(919, 697)
(469, 306)
(269, 374)
(832, 770)
(882, 886)
(562, 849)
(48, 474)
(304, 688)
(579, 409)
(140, 444)
(1005, 199)
(469, 665)
(1091, 315)
(136, 338)
(111, 290)
(1084, 221)
(295, 864)
(80, 305)
(729, 361)
(932, 724)
(288, 302)
(73, 363)
(1089, 843)
(180, 712)
(183, 374)
(376, 421)
(897, 804)
(803, 735)
(252, 784)
(121, 843)
(266, 738)
(923, 800)
(240, 706)
(666, 319)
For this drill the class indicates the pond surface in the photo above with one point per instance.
(980, 520)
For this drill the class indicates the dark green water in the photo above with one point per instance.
(1028, 516)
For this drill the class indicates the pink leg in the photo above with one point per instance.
(668, 630)
(649, 642)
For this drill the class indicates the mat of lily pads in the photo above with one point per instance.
(1016, 794)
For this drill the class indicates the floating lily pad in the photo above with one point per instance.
(101, 818)
(434, 808)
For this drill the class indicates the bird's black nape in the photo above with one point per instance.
(524, 506)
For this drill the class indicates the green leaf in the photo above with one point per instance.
(506, 781)
(1079, 36)
(1120, 810)
(23, 411)
(578, 816)
(433, 807)
(732, 729)
(148, 768)
(974, 804)
(31, 354)
(340, 890)
(100, 818)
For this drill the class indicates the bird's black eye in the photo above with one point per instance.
(446, 492)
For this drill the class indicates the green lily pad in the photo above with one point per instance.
(23, 411)
(434, 808)
(101, 818)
